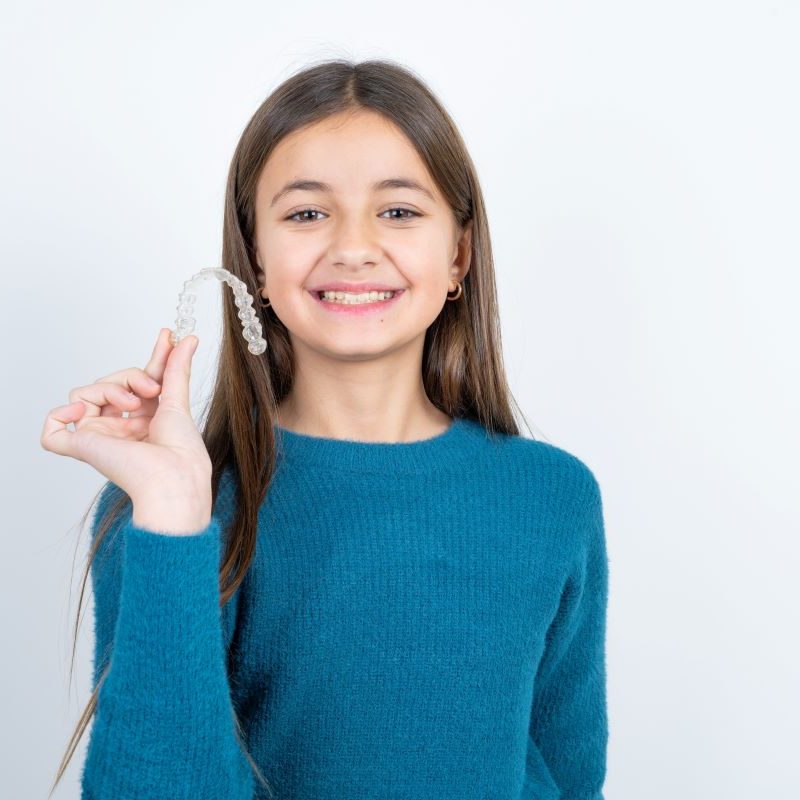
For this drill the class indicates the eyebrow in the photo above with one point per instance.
(307, 185)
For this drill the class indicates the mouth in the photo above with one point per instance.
(357, 304)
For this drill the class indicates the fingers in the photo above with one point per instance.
(145, 383)
(154, 370)
(109, 399)
(175, 382)
(158, 359)
(135, 391)
(85, 444)
(55, 436)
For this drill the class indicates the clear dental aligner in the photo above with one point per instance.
(184, 324)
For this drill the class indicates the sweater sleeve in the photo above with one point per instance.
(164, 725)
(569, 721)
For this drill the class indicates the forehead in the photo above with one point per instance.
(349, 151)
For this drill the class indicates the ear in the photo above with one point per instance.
(461, 262)
(259, 265)
(261, 277)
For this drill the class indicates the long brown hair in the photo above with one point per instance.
(462, 365)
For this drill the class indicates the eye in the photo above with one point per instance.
(304, 211)
(407, 210)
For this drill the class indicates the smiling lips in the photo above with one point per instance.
(354, 288)
(360, 307)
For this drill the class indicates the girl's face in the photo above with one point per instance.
(348, 203)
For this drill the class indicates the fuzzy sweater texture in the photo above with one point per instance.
(421, 621)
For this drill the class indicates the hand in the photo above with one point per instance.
(157, 451)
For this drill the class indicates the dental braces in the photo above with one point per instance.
(185, 322)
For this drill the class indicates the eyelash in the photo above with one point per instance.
(317, 211)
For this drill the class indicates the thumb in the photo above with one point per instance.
(178, 370)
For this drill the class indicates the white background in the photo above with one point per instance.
(640, 165)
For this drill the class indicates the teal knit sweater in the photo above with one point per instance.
(421, 620)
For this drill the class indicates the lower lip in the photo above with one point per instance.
(358, 309)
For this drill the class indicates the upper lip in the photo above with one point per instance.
(357, 288)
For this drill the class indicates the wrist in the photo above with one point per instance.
(172, 513)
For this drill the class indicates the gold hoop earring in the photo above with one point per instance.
(455, 296)
(262, 303)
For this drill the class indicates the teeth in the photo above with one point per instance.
(354, 299)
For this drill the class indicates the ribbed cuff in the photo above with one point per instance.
(168, 639)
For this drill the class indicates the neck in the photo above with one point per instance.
(455, 448)
(410, 425)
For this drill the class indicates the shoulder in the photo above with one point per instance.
(556, 466)
(560, 487)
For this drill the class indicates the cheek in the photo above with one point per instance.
(286, 266)
(424, 260)
(426, 274)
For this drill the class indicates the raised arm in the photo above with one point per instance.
(569, 721)
(164, 725)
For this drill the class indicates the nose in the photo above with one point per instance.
(354, 242)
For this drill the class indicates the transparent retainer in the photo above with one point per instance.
(184, 324)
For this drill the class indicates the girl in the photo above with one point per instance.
(417, 606)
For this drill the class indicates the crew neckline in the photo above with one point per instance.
(456, 446)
